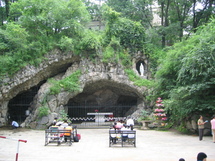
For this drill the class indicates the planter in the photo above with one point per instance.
(145, 124)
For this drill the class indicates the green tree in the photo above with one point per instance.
(130, 34)
(36, 27)
(201, 15)
(136, 10)
(181, 18)
(13, 46)
(50, 17)
(187, 74)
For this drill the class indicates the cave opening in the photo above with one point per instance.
(20, 106)
(101, 101)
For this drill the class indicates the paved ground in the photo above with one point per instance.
(93, 146)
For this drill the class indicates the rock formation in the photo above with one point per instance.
(101, 83)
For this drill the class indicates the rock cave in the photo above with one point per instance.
(104, 88)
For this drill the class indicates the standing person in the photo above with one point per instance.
(213, 127)
(201, 156)
(130, 122)
(201, 127)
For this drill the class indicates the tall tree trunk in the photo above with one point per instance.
(162, 23)
(164, 19)
(7, 7)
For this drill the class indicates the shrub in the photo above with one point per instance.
(43, 111)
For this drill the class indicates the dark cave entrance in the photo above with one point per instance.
(20, 106)
(101, 101)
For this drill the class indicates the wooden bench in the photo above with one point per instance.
(119, 137)
(54, 135)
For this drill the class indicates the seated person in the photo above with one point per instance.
(68, 133)
(64, 124)
(54, 127)
(113, 136)
(54, 121)
(118, 125)
(124, 136)
(14, 124)
(59, 123)
(131, 136)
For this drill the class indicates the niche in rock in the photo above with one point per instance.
(103, 100)
(20, 106)
(140, 67)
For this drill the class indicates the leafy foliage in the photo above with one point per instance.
(70, 83)
(90, 43)
(50, 17)
(136, 10)
(186, 76)
(137, 80)
(131, 34)
(43, 111)
(39, 27)
(64, 116)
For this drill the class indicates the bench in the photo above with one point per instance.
(54, 135)
(125, 137)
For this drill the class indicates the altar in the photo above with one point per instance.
(100, 116)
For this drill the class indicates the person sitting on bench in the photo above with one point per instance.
(68, 133)
(124, 136)
(113, 136)
(131, 136)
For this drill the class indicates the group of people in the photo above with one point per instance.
(122, 126)
(200, 157)
(201, 127)
(64, 125)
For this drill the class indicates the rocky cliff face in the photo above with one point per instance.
(99, 83)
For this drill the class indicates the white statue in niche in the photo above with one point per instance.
(141, 69)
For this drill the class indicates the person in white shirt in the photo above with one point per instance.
(131, 136)
(113, 137)
(130, 122)
(15, 124)
(124, 136)
(64, 124)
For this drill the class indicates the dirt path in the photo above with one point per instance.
(93, 146)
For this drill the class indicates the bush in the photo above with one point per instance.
(137, 80)
(43, 111)
(70, 83)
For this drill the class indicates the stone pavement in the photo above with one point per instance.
(94, 146)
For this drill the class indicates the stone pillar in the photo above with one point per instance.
(3, 113)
